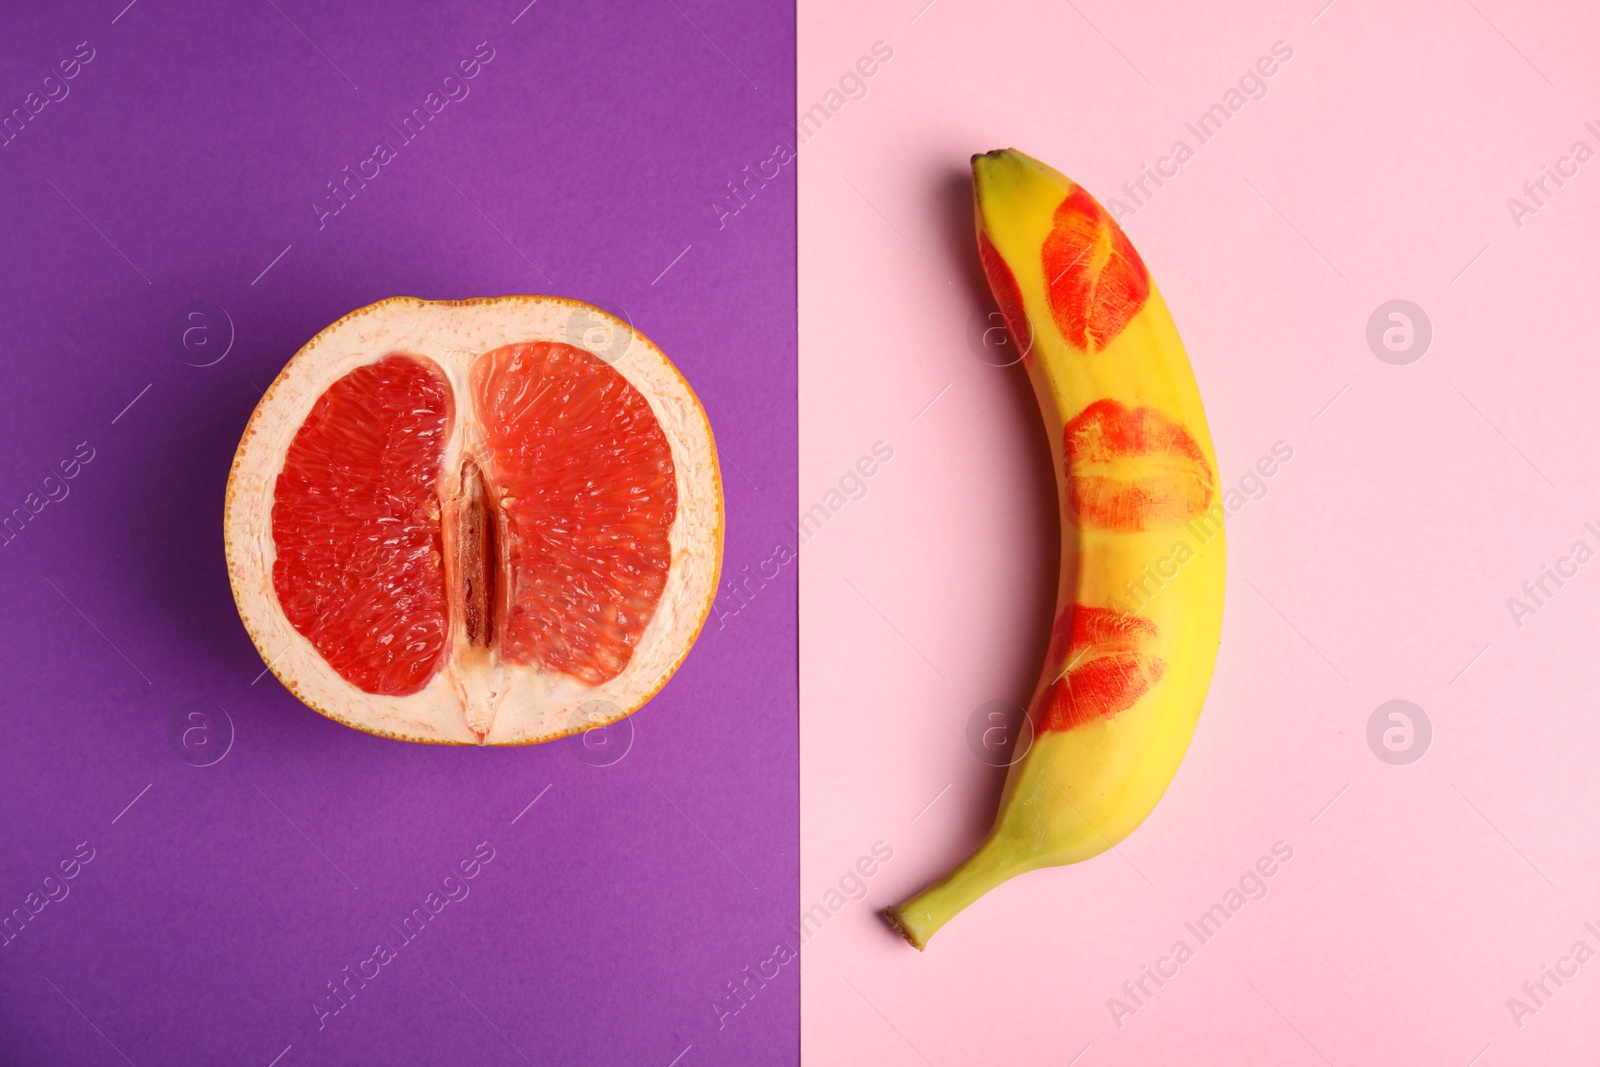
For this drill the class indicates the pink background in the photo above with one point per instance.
(1377, 566)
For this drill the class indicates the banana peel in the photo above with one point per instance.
(1139, 608)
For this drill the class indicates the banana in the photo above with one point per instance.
(1139, 609)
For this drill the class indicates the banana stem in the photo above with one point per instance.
(919, 918)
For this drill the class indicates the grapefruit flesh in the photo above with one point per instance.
(355, 518)
(474, 530)
(585, 476)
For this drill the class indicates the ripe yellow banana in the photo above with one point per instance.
(1139, 611)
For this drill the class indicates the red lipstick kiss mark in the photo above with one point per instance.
(1006, 294)
(1105, 663)
(1133, 469)
(1095, 281)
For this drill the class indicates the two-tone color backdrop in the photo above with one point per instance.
(233, 852)
(1410, 529)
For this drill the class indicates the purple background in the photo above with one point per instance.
(185, 159)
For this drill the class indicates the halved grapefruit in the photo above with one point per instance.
(463, 521)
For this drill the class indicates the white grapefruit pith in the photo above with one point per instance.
(463, 522)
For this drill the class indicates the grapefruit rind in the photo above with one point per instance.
(533, 705)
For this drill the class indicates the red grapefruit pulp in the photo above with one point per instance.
(355, 519)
